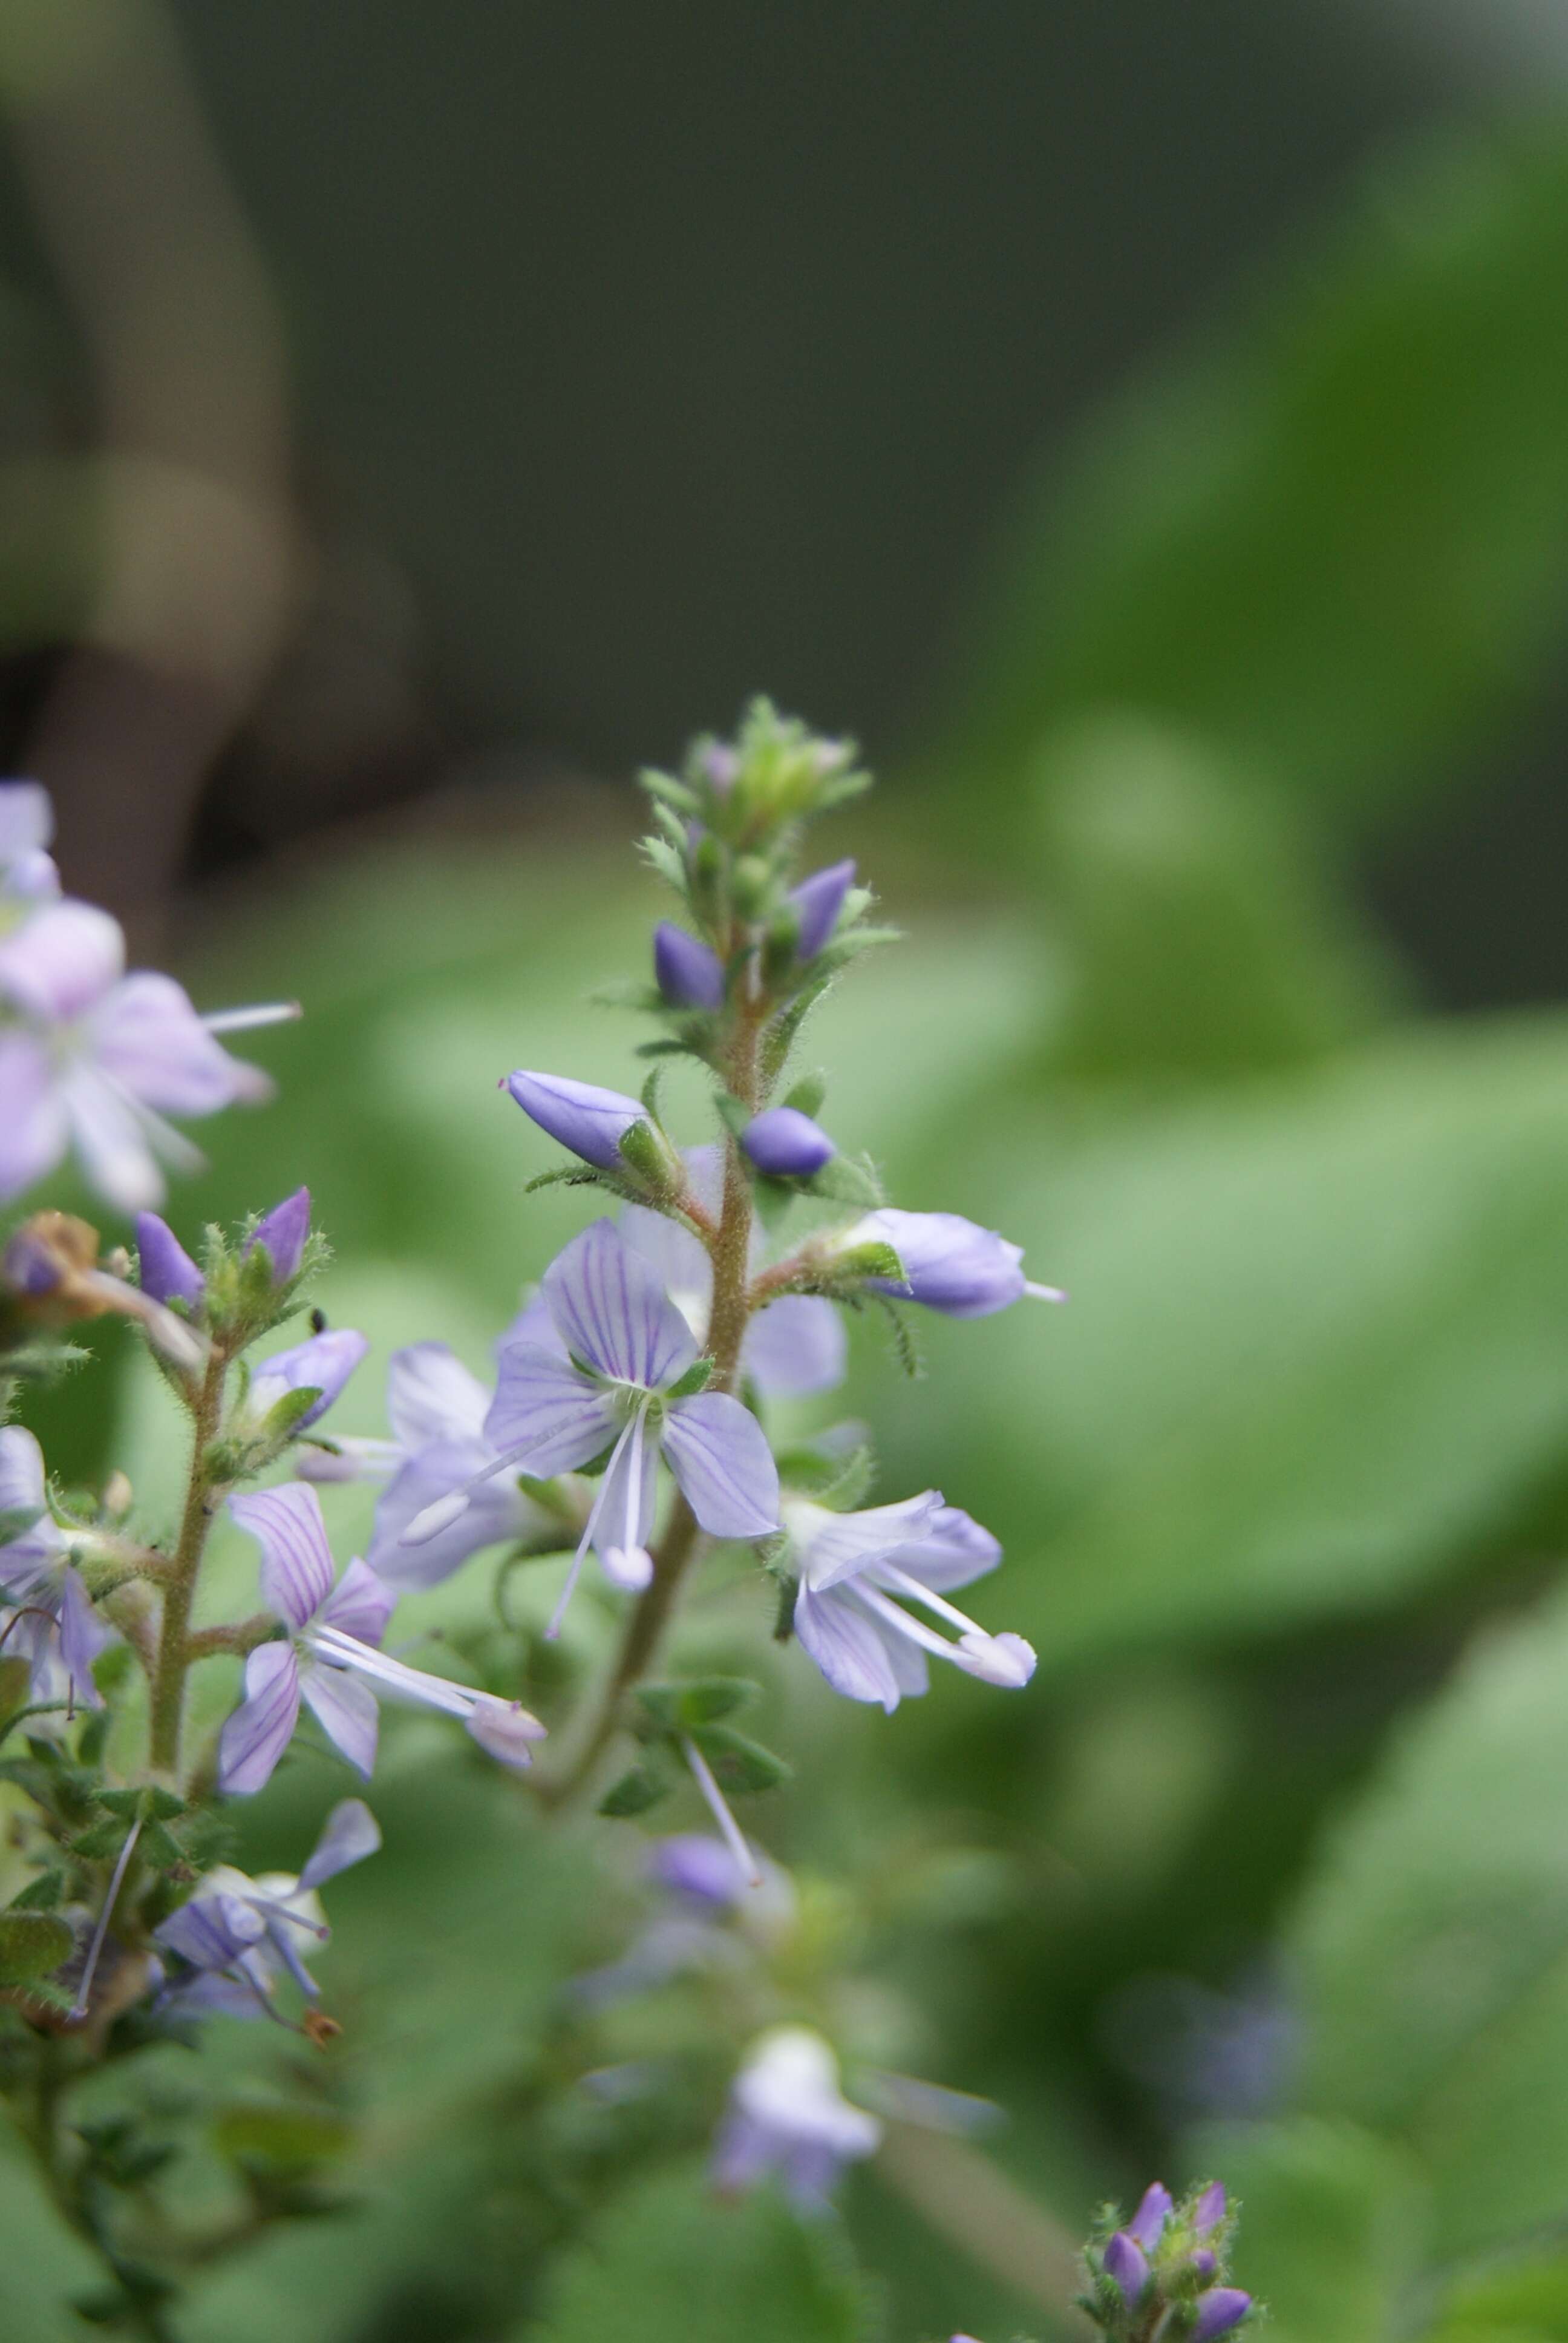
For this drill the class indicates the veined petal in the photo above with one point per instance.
(259, 1731)
(349, 1833)
(431, 1395)
(592, 1122)
(796, 1346)
(33, 1129)
(533, 1323)
(211, 1931)
(545, 1414)
(720, 1454)
(165, 1270)
(676, 1258)
(346, 1713)
(147, 1038)
(623, 1517)
(832, 1547)
(612, 1310)
(358, 1604)
(951, 1552)
(846, 1647)
(113, 1142)
(296, 1559)
(62, 961)
(21, 1472)
(497, 1510)
(83, 1635)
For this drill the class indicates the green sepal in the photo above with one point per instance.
(742, 1768)
(678, 1708)
(784, 1616)
(649, 1095)
(16, 1520)
(697, 1378)
(873, 1259)
(635, 1791)
(772, 1199)
(731, 1113)
(100, 1841)
(906, 1350)
(646, 1156)
(161, 1848)
(40, 1895)
(660, 856)
(669, 1048)
(848, 1180)
(808, 1094)
(149, 1804)
(278, 1424)
(32, 1944)
(665, 789)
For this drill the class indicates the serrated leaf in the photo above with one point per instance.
(848, 1180)
(32, 1944)
(660, 856)
(40, 1894)
(636, 1792)
(99, 1843)
(742, 1768)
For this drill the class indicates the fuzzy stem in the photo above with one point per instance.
(174, 1655)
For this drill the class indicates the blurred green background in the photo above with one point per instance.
(1148, 431)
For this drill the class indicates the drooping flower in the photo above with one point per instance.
(950, 1264)
(591, 1121)
(627, 1349)
(237, 1936)
(788, 2120)
(46, 1616)
(329, 1658)
(852, 1568)
(99, 1059)
(690, 974)
(438, 1411)
(787, 1143)
(818, 901)
(28, 872)
(794, 1347)
(322, 1365)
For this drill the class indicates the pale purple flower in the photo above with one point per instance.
(626, 1345)
(1219, 2310)
(100, 1059)
(792, 1348)
(283, 1232)
(591, 1121)
(438, 1411)
(28, 872)
(790, 2121)
(322, 1365)
(690, 974)
(1126, 2262)
(859, 1571)
(237, 1934)
(329, 1658)
(168, 1272)
(949, 1263)
(46, 1616)
(818, 901)
(787, 1143)
(1154, 2209)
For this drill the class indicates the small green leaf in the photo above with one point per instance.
(31, 1945)
(99, 1843)
(40, 1895)
(635, 1791)
(742, 1768)
(697, 1378)
(808, 1094)
(848, 1180)
(660, 856)
(731, 1113)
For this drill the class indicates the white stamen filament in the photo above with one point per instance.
(1044, 1292)
(633, 1429)
(244, 1020)
(435, 1518)
(702, 1775)
(85, 1990)
(915, 1629)
(330, 1643)
(902, 1580)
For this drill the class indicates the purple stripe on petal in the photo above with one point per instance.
(846, 1647)
(346, 1712)
(259, 1731)
(350, 1833)
(611, 1309)
(546, 1413)
(359, 1605)
(591, 1121)
(211, 1931)
(296, 1560)
(623, 1517)
(21, 1472)
(720, 1454)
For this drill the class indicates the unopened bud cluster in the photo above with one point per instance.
(1161, 2277)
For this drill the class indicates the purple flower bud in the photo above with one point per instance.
(787, 1143)
(818, 901)
(688, 975)
(283, 1232)
(1210, 2209)
(1203, 2264)
(1126, 2263)
(323, 1364)
(1149, 2221)
(591, 1121)
(950, 1264)
(1223, 2308)
(168, 1272)
(721, 767)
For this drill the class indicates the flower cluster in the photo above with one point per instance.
(1164, 2271)
(92, 1058)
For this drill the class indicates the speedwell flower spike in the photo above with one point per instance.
(1152, 2277)
(628, 1347)
(330, 1659)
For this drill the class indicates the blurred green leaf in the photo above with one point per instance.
(1432, 1947)
(31, 1945)
(1333, 538)
(1528, 2305)
(1330, 2237)
(674, 2264)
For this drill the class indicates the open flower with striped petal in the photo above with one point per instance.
(98, 1059)
(238, 1935)
(613, 1381)
(330, 1658)
(859, 1571)
(46, 1616)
